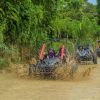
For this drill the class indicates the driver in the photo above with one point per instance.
(51, 53)
(81, 52)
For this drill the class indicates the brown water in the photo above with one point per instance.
(13, 88)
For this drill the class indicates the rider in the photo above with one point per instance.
(81, 52)
(51, 53)
(87, 50)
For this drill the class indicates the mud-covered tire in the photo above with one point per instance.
(94, 58)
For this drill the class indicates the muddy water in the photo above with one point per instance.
(13, 88)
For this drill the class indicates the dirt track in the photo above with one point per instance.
(13, 88)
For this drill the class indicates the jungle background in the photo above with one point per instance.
(26, 24)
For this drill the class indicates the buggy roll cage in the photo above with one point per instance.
(43, 48)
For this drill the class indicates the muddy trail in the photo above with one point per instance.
(14, 88)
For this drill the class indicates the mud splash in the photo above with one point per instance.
(14, 88)
(61, 73)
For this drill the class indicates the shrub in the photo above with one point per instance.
(3, 63)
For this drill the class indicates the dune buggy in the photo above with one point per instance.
(48, 62)
(84, 54)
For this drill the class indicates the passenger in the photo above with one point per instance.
(80, 51)
(87, 51)
(51, 53)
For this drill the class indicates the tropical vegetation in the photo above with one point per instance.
(26, 24)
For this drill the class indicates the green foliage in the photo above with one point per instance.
(22, 21)
(28, 22)
(98, 10)
(3, 63)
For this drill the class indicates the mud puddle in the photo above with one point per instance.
(13, 88)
